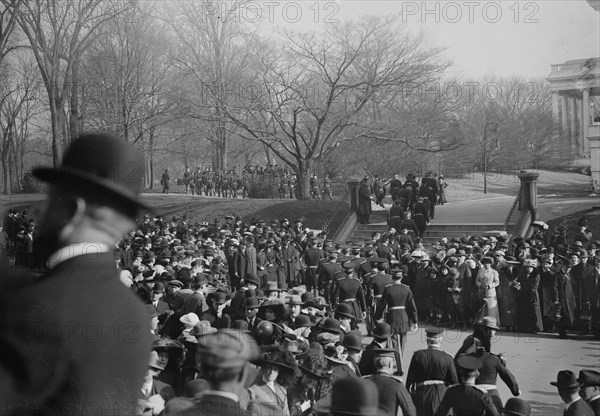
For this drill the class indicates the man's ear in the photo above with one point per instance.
(77, 211)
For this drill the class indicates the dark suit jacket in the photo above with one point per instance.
(79, 337)
(393, 394)
(595, 405)
(579, 408)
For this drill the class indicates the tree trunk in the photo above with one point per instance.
(268, 155)
(303, 180)
(5, 178)
(56, 123)
(151, 148)
(74, 114)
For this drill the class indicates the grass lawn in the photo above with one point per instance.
(470, 187)
(317, 214)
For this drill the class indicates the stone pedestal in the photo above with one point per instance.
(528, 196)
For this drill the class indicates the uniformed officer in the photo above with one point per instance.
(466, 399)
(398, 305)
(348, 289)
(492, 366)
(392, 392)
(429, 374)
(327, 275)
(377, 282)
(590, 389)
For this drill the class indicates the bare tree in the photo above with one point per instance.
(58, 33)
(318, 89)
(19, 97)
(216, 50)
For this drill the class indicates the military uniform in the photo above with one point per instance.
(467, 400)
(492, 367)
(398, 304)
(429, 374)
(348, 289)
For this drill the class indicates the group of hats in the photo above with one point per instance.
(566, 379)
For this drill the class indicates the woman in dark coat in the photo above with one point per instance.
(364, 202)
(529, 315)
(507, 295)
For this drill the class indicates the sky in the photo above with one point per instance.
(482, 38)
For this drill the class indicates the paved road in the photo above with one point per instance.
(534, 360)
(495, 210)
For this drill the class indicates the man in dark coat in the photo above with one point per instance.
(381, 335)
(565, 297)
(590, 389)
(223, 356)
(392, 392)
(364, 202)
(79, 337)
(430, 373)
(568, 389)
(421, 216)
(395, 186)
(592, 294)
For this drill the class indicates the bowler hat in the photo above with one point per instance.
(589, 378)
(352, 341)
(199, 280)
(382, 330)
(331, 325)
(566, 379)
(158, 287)
(517, 407)
(220, 298)
(303, 321)
(251, 303)
(103, 166)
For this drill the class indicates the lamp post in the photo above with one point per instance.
(494, 129)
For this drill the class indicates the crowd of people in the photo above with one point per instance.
(263, 318)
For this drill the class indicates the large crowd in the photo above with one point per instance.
(263, 318)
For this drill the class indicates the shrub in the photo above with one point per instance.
(264, 188)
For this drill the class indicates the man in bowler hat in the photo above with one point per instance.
(80, 339)
(590, 389)
(568, 389)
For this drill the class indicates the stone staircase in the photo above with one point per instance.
(434, 233)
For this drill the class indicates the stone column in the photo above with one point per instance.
(573, 120)
(585, 120)
(555, 105)
(564, 121)
(528, 196)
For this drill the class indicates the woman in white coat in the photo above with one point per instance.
(487, 281)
